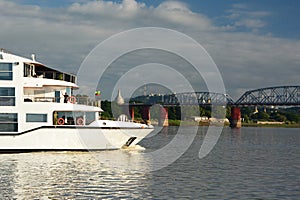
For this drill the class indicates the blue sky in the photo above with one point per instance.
(254, 43)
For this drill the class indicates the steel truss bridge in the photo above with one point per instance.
(188, 98)
(198, 98)
(273, 96)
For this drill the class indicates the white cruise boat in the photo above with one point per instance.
(35, 117)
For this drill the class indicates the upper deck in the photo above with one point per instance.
(31, 68)
(26, 80)
(37, 70)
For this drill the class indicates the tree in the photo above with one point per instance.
(293, 117)
(106, 107)
(189, 111)
(219, 112)
(246, 118)
(278, 117)
(261, 116)
(174, 112)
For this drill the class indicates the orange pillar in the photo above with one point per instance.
(131, 112)
(235, 121)
(163, 121)
(146, 114)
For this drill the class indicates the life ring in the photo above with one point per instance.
(60, 121)
(72, 99)
(79, 121)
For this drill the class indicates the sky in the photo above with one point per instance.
(254, 44)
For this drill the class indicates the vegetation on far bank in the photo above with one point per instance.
(288, 117)
(193, 123)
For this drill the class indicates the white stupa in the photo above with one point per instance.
(119, 98)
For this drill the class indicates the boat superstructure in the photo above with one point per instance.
(39, 112)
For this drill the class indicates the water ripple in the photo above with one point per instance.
(250, 164)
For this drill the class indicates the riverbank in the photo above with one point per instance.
(271, 125)
(193, 123)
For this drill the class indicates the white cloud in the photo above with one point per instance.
(251, 23)
(62, 37)
(179, 13)
(127, 8)
(12, 9)
(243, 16)
(174, 12)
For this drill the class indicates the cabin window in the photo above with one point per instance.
(73, 118)
(73, 79)
(67, 77)
(68, 91)
(90, 117)
(8, 122)
(6, 72)
(7, 96)
(64, 118)
(29, 70)
(33, 117)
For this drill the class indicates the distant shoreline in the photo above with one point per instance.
(193, 123)
(271, 125)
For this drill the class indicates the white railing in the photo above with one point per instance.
(78, 100)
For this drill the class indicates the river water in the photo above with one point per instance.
(249, 163)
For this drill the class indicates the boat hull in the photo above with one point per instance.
(66, 138)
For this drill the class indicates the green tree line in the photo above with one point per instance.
(290, 115)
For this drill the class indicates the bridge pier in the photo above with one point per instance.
(146, 114)
(131, 112)
(163, 120)
(235, 121)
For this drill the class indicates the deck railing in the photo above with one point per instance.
(78, 100)
(56, 76)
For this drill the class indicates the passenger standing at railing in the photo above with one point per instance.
(66, 96)
(55, 118)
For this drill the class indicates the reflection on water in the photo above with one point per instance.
(7, 180)
(65, 175)
(250, 163)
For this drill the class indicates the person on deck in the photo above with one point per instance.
(66, 96)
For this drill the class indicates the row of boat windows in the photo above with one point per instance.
(6, 72)
(7, 96)
(43, 72)
(73, 118)
(9, 121)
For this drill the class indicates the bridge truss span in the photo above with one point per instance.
(186, 98)
(198, 98)
(275, 96)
